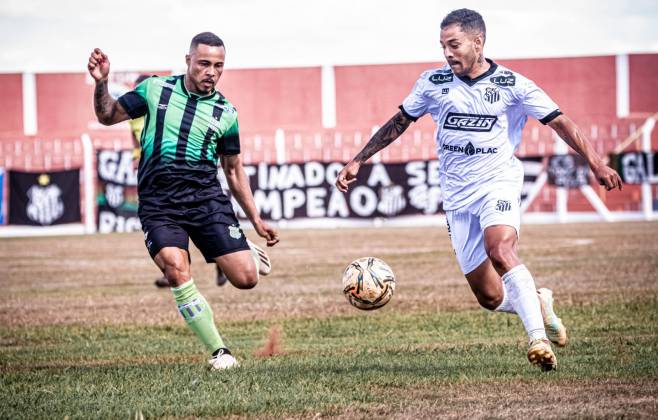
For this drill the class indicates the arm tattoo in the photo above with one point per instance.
(384, 136)
(103, 103)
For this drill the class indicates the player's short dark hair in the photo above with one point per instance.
(206, 38)
(469, 20)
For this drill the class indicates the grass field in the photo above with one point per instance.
(84, 334)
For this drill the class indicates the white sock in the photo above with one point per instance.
(520, 286)
(506, 304)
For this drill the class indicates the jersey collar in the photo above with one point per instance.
(492, 69)
(194, 95)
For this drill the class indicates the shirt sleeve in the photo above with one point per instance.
(416, 103)
(229, 143)
(134, 102)
(537, 103)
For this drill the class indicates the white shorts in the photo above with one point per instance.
(466, 225)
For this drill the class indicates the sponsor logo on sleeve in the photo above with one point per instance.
(441, 77)
(226, 108)
(505, 81)
(469, 122)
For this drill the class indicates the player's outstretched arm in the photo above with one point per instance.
(571, 134)
(382, 138)
(238, 183)
(108, 110)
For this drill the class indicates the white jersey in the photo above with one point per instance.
(479, 127)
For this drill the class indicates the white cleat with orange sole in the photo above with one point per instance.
(541, 354)
(555, 330)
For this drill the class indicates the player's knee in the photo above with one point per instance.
(176, 271)
(245, 280)
(503, 256)
(489, 301)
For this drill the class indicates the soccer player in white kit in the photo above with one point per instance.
(480, 109)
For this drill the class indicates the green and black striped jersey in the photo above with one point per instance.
(183, 136)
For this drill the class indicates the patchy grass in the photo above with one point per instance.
(392, 364)
(85, 334)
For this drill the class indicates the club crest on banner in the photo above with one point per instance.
(44, 198)
(45, 203)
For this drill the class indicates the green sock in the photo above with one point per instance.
(198, 315)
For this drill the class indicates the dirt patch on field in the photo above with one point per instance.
(569, 399)
(108, 279)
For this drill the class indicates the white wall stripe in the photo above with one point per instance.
(280, 145)
(29, 104)
(88, 183)
(328, 97)
(623, 85)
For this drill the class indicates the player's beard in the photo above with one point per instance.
(205, 86)
(465, 70)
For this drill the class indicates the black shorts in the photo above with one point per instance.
(216, 237)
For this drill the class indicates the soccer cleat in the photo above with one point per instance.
(221, 277)
(223, 360)
(264, 264)
(161, 282)
(555, 330)
(541, 354)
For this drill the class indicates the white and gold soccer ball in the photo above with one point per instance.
(368, 283)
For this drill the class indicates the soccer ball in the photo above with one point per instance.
(368, 283)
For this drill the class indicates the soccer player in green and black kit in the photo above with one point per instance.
(188, 126)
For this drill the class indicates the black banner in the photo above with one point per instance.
(299, 190)
(44, 198)
(306, 190)
(117, 192)
(570, 171)
(291, 191)
(636, 167)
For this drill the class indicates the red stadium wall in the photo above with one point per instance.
(64, 103)
(366, 96)
(583, 87)
(267, 99)
(11, 104)
(369, 95)
(643, 69)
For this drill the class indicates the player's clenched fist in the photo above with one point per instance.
(99, 65)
